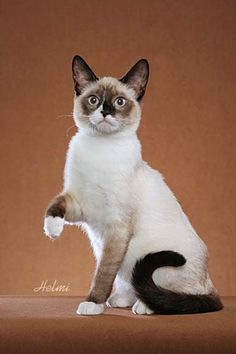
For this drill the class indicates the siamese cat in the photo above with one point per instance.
(142, 240)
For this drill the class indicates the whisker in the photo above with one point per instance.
(64, 116)
(70, 129)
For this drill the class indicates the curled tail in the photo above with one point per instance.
(165, 301)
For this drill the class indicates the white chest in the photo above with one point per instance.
(99, 171)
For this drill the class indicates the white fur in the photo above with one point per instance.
(97, 124)
(53, 226)
(140, 308)
(90, 308)
(109, 178)
(106, 174)
(104, 125)
(121, 300)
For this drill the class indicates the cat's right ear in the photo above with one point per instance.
(81, 73)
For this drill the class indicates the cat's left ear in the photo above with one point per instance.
(137, 78)
(82, 74)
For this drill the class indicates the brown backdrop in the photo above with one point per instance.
(187, 130)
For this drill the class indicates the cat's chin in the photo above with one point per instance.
(105, 128)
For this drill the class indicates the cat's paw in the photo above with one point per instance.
(90, 308)
(121, 300)
(140, 308)
(53, 226)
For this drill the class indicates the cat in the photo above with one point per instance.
(141, 238)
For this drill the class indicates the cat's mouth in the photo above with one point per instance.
(104, 126)
(104, 120)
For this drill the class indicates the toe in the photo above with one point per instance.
(140, 308)
(53, 226)
(90, 308)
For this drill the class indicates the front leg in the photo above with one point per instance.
(63, 207)
(113, 254)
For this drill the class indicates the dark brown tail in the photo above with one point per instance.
(164, 301)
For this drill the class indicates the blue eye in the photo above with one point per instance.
(120, 101)
(93, 100)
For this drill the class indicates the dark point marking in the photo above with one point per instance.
(137, 78)
(108, 108)
(164, 301)
(106, 95)
(57, 207)
(82, 74)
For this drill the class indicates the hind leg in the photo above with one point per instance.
(123, 296)
(139, 308)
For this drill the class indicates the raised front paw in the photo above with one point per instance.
(90, 308)
(53, 226)
(140, 308)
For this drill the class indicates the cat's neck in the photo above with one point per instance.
(125, 133)
(120, 137)
(111, 146)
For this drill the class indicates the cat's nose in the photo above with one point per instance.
(106, 109)
(105, 112)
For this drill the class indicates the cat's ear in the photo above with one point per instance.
(137, 78)
(81, 73)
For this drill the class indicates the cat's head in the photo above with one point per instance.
(108, 105)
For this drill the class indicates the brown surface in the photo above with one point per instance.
(50, 325)
(187, 131)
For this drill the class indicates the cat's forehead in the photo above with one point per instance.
(109, 86)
